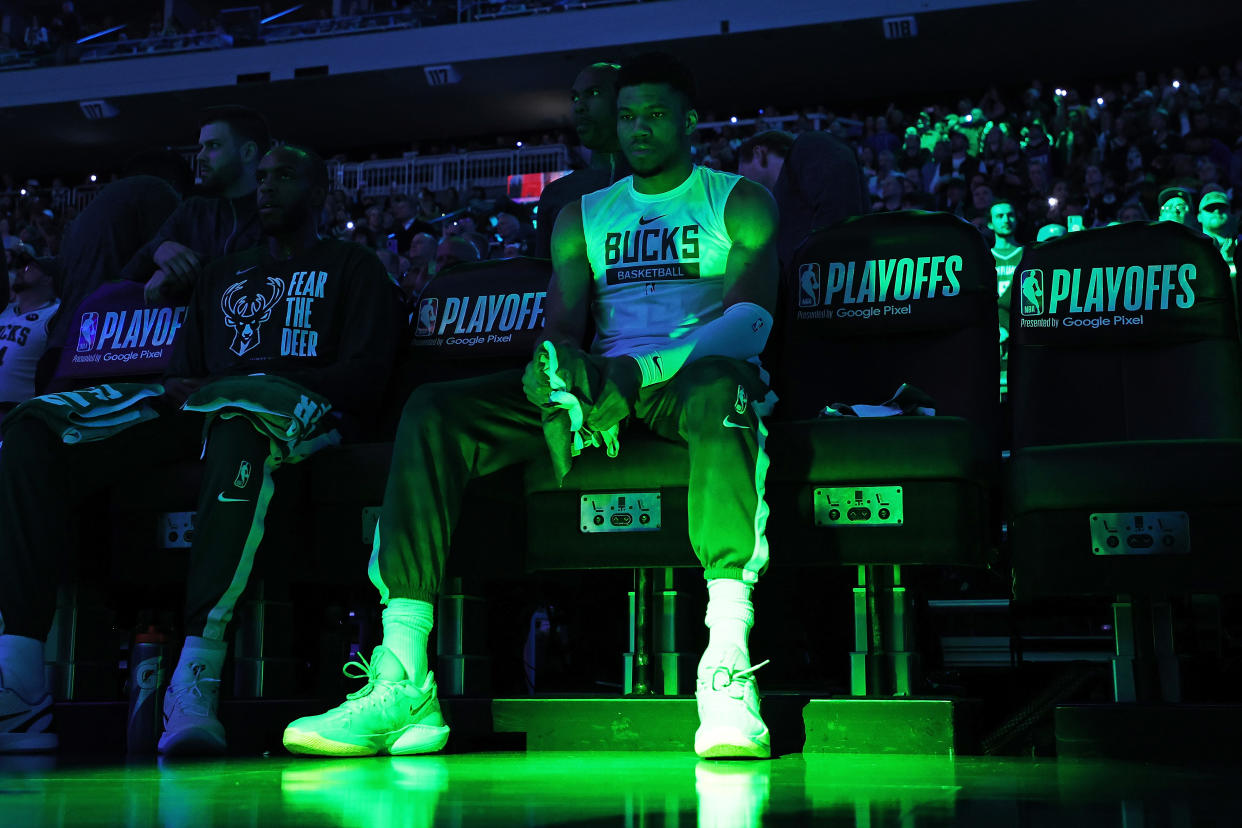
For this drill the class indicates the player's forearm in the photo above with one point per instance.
(741, 332)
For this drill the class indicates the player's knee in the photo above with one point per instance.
(234, 433)
(709, 390)
(429, 406)
(234, 427)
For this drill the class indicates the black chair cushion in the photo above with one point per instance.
(1129, 476)
(847, 449)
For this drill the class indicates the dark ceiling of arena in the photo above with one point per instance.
(839, 65)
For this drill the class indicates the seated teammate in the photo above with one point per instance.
(679, 265)
(316, 316)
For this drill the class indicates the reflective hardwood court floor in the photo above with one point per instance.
(607, 789)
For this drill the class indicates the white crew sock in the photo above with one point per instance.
(199, 650)
(730, 615)
(21, 667)
(407, 627)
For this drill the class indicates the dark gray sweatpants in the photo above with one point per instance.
(452, 432)
(43, 481)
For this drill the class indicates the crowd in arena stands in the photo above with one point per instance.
(1021, 168)
(54, 39)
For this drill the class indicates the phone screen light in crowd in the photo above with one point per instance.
(1052, 201)
(104, 33)
(519, 144)
(23, 190)
(278, 15)
(733, 120)
(1177, 84)
(969, 118)
(349, 225)
(94, 178)
(1099, 101)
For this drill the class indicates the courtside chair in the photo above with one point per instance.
(1126, 474)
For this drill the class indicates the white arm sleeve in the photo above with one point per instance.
(741, 332)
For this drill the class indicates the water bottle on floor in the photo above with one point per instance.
(149, 670)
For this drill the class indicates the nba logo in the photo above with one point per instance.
(808, 285)
(1031, 284)
(428, 312)
(243, 475)
(88, 331)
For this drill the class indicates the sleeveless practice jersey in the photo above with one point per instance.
(23, 339)
(1006, 264)
(658, 261)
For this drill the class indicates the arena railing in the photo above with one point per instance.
(54, 198)
(487, 168)
(485, 10)
(157, 45)
(331, 27)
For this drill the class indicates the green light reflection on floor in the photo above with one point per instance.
(610, 788)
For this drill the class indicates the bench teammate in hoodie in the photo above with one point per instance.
(318, 312)
(222, 220)
(679, 265)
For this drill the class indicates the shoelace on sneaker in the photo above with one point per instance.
(733, 675)
(366, 669)
(201, 703)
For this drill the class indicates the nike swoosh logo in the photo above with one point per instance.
(728, 424)
(220, 497)
(643, 220)
(247, 270)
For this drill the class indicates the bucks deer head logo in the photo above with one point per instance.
(245, 313)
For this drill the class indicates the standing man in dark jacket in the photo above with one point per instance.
(231, 140)
(594, 96)
(814, 177)
(314, 319)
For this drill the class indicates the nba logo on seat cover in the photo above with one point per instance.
(428, 312)
(88, 330)
(808, 285)
(1031, 284)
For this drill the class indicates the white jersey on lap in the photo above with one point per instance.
(23, 339)
(658, 261)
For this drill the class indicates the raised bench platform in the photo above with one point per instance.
(798, 724)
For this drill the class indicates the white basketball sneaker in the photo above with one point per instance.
(191, 726)
(390, 715)
(25, 726)
(730, 726)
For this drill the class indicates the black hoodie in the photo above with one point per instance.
(210, 226)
